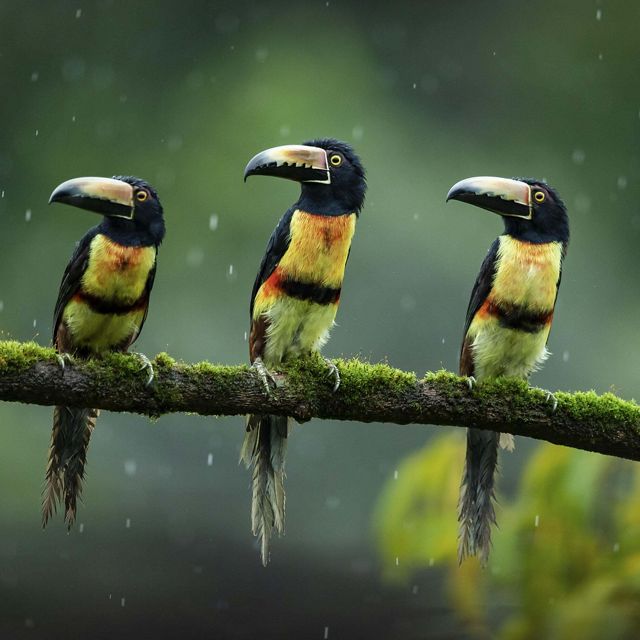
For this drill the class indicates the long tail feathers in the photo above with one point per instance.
(72, 430)
(264, 448)
(476, 513)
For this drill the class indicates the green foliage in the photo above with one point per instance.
(566, 552)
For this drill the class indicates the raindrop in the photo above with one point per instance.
(415, 589)
(122, 601)
(599, 14)
(431, 562)
(227, 24)
(78, 13)
(174, 143)
(1, 306)
(616, 547)
(600, 56)
(210, 460)
(583, 203)
(73, 118)
(536, 522)
(127, 523)
(578, 156)
(195, 256)
(395, 474)
(245, 336)
(622, 182)
(35, 322)
(332, 502)
(81, 527)
(73, 69)
(414, 85)
(165, 177)
(102, 77)
(105, 128)
(130, 467)
(397, 561)
(565, 356)
(429, 84)
(407, 302)
(195, 80)
(231, 273)
(326, 629)
(27, 215)
(213, 221)
(37, 132)
(34, 76)
(442, 340)
(2, 196)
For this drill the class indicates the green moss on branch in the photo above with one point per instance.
(368, 392)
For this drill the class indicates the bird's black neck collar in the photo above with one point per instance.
(130, 233)
(523, 230)
(321, 199)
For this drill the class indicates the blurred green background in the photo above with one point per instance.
(183, 94)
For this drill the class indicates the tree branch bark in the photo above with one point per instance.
(368, 393)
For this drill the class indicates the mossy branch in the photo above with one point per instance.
(31, 374)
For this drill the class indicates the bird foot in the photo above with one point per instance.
(266, 377)
(471, 382)
(146, 366)
(63, 359)
(549, 397)
(334, 373)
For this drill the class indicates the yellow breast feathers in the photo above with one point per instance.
(318, 248)
(117, 273)
(527, 274)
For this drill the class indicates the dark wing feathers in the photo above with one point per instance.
(479, 294)
(147, 293)
(277, 247)
(72, 277)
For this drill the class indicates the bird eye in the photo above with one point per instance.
(335, 160)
(142, 195)
(539, 196)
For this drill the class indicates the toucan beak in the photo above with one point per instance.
(503, 196)
(107, 196)
(293, 161)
